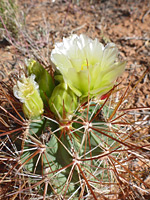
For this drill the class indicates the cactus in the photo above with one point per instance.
(81, 155)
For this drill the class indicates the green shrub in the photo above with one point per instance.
(8, 16)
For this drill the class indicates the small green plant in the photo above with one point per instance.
(67, 136)
(8, 16)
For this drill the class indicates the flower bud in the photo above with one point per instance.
(63, 101)
(43, 78)
(26, 90)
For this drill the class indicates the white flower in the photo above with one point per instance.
(26, 90)
(25, 87)
(86, 65)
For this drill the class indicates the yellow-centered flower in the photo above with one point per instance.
(86, 65)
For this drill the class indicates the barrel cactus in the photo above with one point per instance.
(67, 138)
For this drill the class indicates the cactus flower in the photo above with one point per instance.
(27, 91)
(63, 101)
(86, 65)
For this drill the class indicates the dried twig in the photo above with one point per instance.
(134, 38)
(147, 12)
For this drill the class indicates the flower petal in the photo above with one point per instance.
(62, 62)
(109, 56)
(94, 52)
(78, 81)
